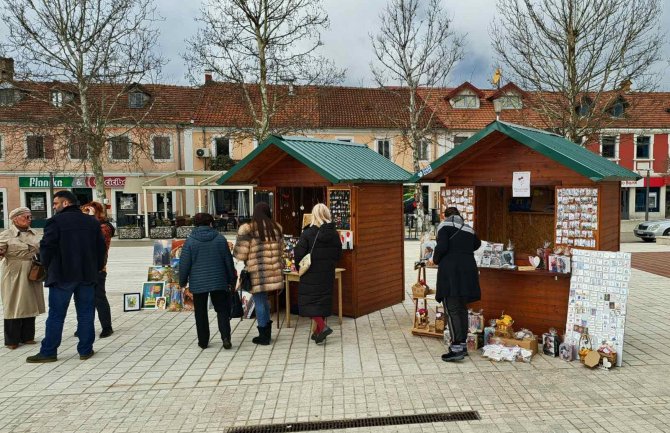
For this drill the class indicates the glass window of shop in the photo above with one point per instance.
(37, 202)
(641, 199)
(126, 209)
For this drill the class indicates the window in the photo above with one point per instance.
(466, 99)
(57, 99)
(222, 146)
(510, 102)
(161, 147)
(384, 148)
(617, 109)
(120, 147)
(7, 97)
(459, 139)
(422, 150)
(78, 149)
(136, 99)
(641, 199)
(346, 140)
(608, 146)
(39, 147)
(585, 107)
(642, 147)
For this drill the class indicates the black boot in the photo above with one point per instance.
(264, 334)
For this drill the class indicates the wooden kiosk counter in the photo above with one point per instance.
(364, 193)
(478, 177)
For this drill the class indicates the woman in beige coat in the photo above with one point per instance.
(260, 246)
(22, 299)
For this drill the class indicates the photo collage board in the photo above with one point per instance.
(339, 202)
(598, 295)
(577, 217)
(462, 199)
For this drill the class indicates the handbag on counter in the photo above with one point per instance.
(37, 271)
(306, 261)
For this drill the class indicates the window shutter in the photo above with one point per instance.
(48, 147)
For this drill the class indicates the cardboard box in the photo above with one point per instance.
(529, 343)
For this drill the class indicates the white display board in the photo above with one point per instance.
(598, 297)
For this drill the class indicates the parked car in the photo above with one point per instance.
(648, 230)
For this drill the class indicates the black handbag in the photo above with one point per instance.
(245, 280)
(236, 309)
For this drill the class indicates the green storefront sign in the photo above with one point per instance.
(43, 182)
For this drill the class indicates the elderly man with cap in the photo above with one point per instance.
(22, 299)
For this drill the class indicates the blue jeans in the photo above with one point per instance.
(262, 307)
(59, 301)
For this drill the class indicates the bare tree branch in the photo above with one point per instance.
(97, 48)
(259, 44)
(569, 50)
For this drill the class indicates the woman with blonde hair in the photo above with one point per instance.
(315, 293)
(22, 299)
(260, 246)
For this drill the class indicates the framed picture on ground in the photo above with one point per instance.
(131, 301)
(150, 291)
(161, 303)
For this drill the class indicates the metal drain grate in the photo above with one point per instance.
(359, 422)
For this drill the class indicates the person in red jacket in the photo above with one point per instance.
(97, 210)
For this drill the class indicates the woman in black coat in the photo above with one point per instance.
(457, 277)
(315, 293)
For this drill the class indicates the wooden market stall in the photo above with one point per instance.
(364, 192)
(573, 200)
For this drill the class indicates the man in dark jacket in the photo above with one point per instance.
(73, 251)
(457, 277)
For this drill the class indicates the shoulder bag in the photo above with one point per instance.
(245, 280)
(306, 261)
(37, 271)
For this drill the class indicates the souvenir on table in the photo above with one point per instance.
(496, 256)
(162, 251)
(150, 291)
(566, 351)
(288, 255)
(504, 326)
(472, 341)
(422, 318)
(486, 253)
(489, 332)
(475, 321)
(339, 202)
(462, 199)
(576, 217)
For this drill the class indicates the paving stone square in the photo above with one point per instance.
(150, 375)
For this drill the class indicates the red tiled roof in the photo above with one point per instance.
(459, 89)
(507, 88)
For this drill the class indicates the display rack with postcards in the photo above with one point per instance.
(577, 217)
(462, 199)
(598, 298)
(339, 203)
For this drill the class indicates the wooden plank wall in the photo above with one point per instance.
(609, 223)
(291, 172)
(378, 244)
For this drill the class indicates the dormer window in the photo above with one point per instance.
(466, 99)
(137, 99)
(510, 101)
(585, 107)
(60, 98)
(618, 108)
(7, 94)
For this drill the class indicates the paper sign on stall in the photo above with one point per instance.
(521, 184)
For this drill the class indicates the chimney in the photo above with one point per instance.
(6, 69)
(208, 76)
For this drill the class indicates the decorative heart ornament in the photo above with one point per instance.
(534, 260)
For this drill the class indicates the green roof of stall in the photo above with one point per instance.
(553, 146)
(337, 161)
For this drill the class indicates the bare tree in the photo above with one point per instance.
(260, 44)
(578, 56)
(415, 50)
(95, 49)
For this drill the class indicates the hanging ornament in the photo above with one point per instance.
(302, 207)
(293, 213)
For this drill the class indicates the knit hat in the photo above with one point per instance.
(18, 211)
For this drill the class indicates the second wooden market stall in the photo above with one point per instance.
(364, 193)
(563, 194)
